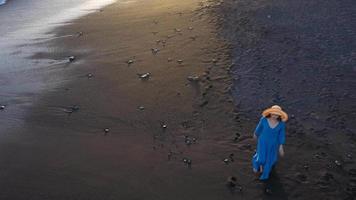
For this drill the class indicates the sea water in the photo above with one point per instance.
(24, 24)
(21, 19)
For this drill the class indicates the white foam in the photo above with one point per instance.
(37, 28)
(37, 32)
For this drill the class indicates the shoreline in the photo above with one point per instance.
(105, 133)
(73, 150)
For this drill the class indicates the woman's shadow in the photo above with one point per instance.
(274, 188)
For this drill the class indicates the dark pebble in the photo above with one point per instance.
(71, 58)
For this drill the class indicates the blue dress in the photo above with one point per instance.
(268, 143)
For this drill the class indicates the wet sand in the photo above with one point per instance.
(63, 150)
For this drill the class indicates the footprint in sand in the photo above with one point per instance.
(352, 172)
(301, 177)
(325, 180)
(71, 109)
(237, 137)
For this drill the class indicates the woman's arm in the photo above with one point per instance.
(282, 140)
(281, 150)
(258, 129)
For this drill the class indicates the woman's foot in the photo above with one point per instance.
(268, 191)
(267, 187)
(258, 171)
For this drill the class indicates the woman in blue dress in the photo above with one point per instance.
(270, 135)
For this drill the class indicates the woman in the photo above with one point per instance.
(270, 135)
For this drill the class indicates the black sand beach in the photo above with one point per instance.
(300, 55)
(160, 92)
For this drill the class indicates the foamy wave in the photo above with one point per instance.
(37, 28)
(2, 2)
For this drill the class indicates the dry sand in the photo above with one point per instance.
(300, 55)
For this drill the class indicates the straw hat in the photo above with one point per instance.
(277, 110)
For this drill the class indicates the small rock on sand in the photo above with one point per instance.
(144, 76)
(79, 34)
(189, 140)
(193, 78)
(188, 162)
(164, 126)
(337, 163)
(154, 50)
(71, 58)
(129, 62)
